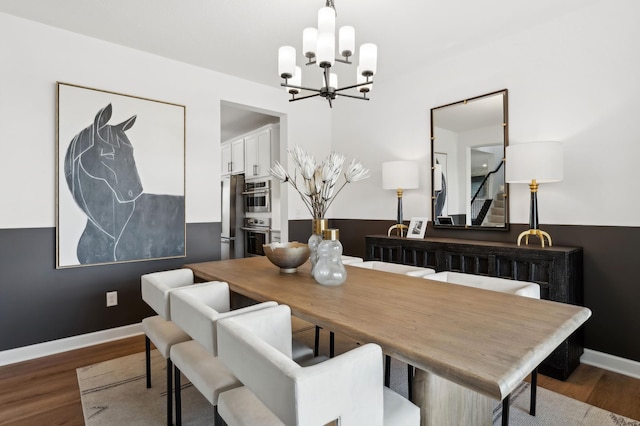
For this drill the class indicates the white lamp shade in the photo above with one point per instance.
(286, 61)
(400, 175)
(309, 41)
(326, 48)
(368, 58)
(327, 21)
(347, 40)
(333, 80)
(542, 161)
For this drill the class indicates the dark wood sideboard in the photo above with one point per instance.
(558, 270)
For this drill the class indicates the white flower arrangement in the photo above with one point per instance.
(318, 188)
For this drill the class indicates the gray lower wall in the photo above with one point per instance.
(39, 303)
(611, 286)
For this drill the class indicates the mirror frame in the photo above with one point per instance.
(505, 128)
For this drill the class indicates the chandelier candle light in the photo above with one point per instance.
(319, 46)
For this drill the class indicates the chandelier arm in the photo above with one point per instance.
(300, 87)
(355, 85)
(344, 61)
(304, 97)
(362, 98)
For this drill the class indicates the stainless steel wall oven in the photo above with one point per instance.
(257, 196)
(257, 231)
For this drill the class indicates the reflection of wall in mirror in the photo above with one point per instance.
(440, 184)
(484, 147)
(486, 159)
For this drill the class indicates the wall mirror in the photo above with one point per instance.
(468, 141)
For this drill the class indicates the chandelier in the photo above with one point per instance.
(319, 47)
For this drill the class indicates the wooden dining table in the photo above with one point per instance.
(470, 346)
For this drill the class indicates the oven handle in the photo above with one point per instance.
(256, 192)
(257, 231)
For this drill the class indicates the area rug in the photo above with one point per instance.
(114, 393)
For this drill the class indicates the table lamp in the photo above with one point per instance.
(400, 175)
(534, 163)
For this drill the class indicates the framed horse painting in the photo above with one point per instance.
(120, 178)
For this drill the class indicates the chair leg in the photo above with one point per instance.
(178, 395)
(332, 344)
(317, 342)
(169, 392)
(217, 420)
(505, 411)
(147, 353)
(387, 370)
(534, 386)
(410, 381)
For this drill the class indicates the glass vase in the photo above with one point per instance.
(317, 228)
(329, 269)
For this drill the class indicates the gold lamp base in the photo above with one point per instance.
(398, 227)
(537, 232)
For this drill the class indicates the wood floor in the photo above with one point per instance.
(45, 391)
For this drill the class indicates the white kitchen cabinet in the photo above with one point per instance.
(258, 154)
(232, 157)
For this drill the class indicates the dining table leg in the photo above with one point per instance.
(443, 402)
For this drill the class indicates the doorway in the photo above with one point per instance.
(237, 120)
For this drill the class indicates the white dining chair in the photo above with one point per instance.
(349, 260)
(278, 391)
(159, 329)
(395, 268)
(503, 285)
(196, 309)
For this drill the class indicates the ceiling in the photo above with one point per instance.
(241, 37)
(236, 121)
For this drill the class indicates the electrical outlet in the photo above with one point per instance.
(112, 298)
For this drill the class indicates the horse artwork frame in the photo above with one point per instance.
(120, 178)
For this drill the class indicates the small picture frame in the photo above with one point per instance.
(417, 227)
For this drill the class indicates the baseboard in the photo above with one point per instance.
(611, 362)
(26, 353)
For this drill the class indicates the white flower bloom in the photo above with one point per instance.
(279, 172)
(318, 189)
(304, 162)
(332, 167)
(297, 155)
(308, 167)
(356, 172)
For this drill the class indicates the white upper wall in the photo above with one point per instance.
(573, 79)
(36, 56)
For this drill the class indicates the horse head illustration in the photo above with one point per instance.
(101, 173)
(104, 153)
